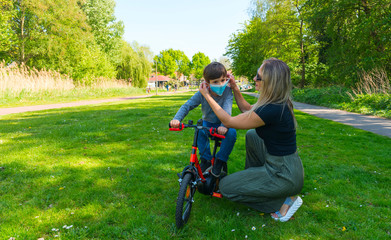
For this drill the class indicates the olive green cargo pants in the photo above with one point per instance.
(267, 180)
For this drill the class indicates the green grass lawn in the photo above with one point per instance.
(108, 171)
(28, 98)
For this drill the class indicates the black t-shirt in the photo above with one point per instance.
(279, 132)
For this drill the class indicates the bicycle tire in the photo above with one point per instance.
(185, 200)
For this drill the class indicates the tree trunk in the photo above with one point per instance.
(22, 58)
(302, 52)
(302, 82)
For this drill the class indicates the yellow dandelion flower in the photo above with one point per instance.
(343, 229)
(262, 214)
(61, 188)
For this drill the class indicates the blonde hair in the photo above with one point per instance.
(277, 85)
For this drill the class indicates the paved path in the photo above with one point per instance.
(5, 111)
(369, 123)
(376, 125)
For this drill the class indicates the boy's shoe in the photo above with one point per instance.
(205, 164)
(224, 171)
(209, 185)
(217, 166)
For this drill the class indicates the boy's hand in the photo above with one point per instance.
(174, 123)
(222, 130)
(204, 89)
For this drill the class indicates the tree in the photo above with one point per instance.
(134, 65)
(6, 34)
(182, 62)
(54, 34)
(299, 14)
(353, 35)
(226, 62)
(249, 47)
(166, 63)
(79, 38)
(66, 42)
(198, 63)
(26, 28)
(107, 32)
(277, 29)
(172, 61)
(143, 50)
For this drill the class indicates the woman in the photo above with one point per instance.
(273, 172)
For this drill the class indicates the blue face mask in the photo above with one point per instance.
(218, 89)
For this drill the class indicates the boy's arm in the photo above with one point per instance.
(227, 105)
(192, 103)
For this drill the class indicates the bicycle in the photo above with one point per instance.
(192, 178)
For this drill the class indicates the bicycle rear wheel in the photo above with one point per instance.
(184, 200)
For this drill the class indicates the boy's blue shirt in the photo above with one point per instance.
(225, 102)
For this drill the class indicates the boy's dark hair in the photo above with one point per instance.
(214, 70)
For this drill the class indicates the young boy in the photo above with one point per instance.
(215, 75)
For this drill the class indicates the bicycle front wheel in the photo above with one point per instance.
(184, 200)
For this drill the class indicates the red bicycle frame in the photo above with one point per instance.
(193, 157)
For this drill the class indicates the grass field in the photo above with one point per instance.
(29, 98)
(108, 171)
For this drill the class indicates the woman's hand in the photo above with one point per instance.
(232, 83)
(204, 89)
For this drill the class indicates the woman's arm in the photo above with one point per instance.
(240, 101)
(242, 121)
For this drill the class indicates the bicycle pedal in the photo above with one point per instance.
(218, 195)
(207, 170)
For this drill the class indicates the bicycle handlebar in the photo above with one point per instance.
(180, 128)
(211, 130)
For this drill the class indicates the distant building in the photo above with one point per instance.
(160, 80)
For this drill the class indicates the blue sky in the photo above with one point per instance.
(188, 25)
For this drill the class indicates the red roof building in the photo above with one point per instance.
(160, 80)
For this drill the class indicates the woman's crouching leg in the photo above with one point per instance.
(253, 188)
(255, 150)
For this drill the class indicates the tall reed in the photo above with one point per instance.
(106, 83)
(373, 82)
(16, 78)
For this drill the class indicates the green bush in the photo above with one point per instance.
(375, 101)
(322, 96)
(343, 98)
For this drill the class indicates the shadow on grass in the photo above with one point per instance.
(112, 168)
(109, 167)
